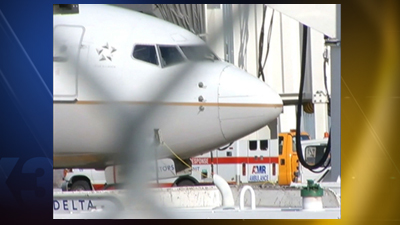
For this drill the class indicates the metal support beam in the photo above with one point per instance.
(334, 174)
(228, 32)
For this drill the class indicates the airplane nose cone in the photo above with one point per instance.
(245, 103)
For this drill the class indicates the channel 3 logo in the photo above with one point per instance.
(25, 184)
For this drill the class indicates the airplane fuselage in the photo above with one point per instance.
(116, 78)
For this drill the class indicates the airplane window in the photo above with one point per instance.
(198, 53)
(264, 145)
(146, 53)
(253, 145)
(170, 55)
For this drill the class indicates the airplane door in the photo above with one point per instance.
(66, 48)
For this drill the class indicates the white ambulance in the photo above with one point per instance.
(243, 161)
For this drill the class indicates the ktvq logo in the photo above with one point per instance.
(28, 183)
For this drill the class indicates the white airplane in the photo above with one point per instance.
(106, 56)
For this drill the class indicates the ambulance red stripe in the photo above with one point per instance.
(234, 160)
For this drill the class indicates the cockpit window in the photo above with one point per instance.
(170, 55)
(146, 53)
(198, 53)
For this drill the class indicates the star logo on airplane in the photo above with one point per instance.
(106, 52)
